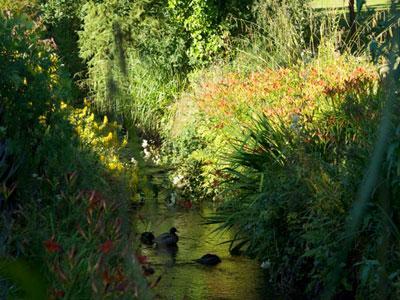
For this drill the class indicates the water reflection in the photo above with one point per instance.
(181, 278)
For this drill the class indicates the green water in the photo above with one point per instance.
(234, 278)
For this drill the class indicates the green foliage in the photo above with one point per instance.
(73, 229)
(138, 54)
(32, 87)
(62, 19)
(30, 280)
(279, 34)
(200, 20)
(289, 190)
(128, 68)
(22, 6)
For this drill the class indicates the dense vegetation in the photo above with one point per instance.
(282, 114)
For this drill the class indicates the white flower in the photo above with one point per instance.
(265, 264)
(147, 153)
(177, 179)
(145, 144)
(157, 160)
(134, 161)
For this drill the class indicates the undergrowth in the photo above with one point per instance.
(64, 197)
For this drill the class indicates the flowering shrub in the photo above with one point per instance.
(303, 96)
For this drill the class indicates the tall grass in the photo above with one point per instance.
(373, 177)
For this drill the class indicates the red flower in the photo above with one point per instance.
(106, 246)
(51, 246)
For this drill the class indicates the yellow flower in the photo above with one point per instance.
(53, 58)
(105, 121)
(91, 117)
(108, 138)
(115, 166)
(124, 142)
(42, 120)
(86, 102)
(63, 105)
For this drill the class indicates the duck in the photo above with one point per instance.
(167, 239)
(208, 260)
(147, 238)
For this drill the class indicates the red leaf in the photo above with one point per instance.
(59, 294)
(52, 246)
(106, 246)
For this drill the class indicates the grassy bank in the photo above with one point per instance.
(65, 192)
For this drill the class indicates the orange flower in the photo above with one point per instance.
(106, 246)
(52, 246)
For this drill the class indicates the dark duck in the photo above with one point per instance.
(208, 260)
(168, 239)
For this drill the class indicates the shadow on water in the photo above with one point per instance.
(181, 278)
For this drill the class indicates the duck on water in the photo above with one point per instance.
(208, 260)
(166, 239)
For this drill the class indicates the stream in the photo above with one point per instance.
(235, 277)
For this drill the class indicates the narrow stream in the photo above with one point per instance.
(234, 278)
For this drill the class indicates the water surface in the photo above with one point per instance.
(181, 278)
